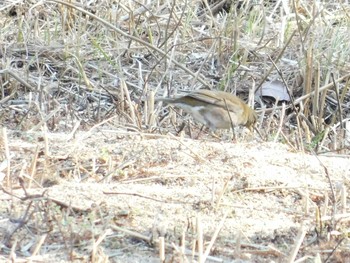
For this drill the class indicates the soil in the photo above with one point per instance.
(111, 194)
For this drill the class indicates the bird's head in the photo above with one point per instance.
(251, 118)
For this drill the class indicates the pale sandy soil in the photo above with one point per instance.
(160, 186)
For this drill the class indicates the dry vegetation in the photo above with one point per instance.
(93, 171)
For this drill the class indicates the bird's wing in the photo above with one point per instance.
(232, 103)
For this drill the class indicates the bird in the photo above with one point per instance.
(215, 109)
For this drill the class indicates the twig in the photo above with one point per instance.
(38, 245)
(299, 241)
(20, 223)
(329, 181)
(279, 130)
(121, 32)
(130, 104)
(94, 256)
(272, 188)
(200, 242)
(7, 155)
(149, 239)
(334, 249)
(338, 217)
(15, 76)
(277, 59)
(26, 197)
(161, 249)
(335, 86)
(212, 241)
(144, 196)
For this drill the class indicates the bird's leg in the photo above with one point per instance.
(189, 129)
(185, 124)
(234, 134)
(181, 128)
(200, 131)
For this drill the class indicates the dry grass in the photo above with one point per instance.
(71, 66)
(66, 64)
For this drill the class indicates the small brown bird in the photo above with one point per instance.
(215, 109)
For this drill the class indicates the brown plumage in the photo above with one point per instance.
(214, 108)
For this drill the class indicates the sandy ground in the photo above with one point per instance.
(101, 185)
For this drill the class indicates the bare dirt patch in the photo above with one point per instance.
(107, 183)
